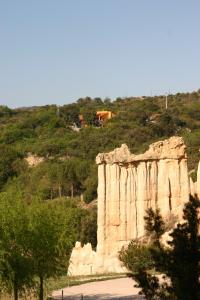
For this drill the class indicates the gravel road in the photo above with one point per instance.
(112, 289)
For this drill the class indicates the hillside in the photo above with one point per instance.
(66, 156)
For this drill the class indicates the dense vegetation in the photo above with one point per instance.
(54, 195)
(69, 165)
(36, 240)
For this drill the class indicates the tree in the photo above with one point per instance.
(35, 241)
(16, 273)
(70, 113)
(90, 185)
(154, 225)
(8, 155)
(88, 228)
(49, 242)
(183, 261)
(180, 263)
(89, 116)
(5, 111)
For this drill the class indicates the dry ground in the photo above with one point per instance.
(113, 289)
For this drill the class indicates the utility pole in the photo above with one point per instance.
(166, 101)
(58, 111)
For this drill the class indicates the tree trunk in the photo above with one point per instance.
(15, 290)
(41, 292)
(60, 190)
(72, 190)
(81, 198)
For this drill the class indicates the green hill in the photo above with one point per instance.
(68, 167)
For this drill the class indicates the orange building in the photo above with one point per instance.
(104, 115)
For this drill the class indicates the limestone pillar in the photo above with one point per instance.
(192, 187)
(198, 181)
(141, 198)
(184, 186)
(123, 204)
(101, 217)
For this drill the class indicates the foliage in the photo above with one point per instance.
(50, 241)
(35, 241)
(154, 225)
(183, 261)
(69, 167)
(90, 185)
(88, 231)
(180, 263)
(16, 272)
(8, 156)
(136, 257)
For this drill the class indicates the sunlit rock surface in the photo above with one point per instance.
(128, 184)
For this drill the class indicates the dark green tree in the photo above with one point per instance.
(154, 225)
(183, 261)
(88, 231)
(180, 262)
(70, 113)
(89, 116)
(8, 155)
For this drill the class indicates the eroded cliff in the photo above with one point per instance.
(128, 184)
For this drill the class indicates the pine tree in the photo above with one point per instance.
(180, 263)
(183, 261)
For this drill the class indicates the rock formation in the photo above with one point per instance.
(33, 160)
(128, 184)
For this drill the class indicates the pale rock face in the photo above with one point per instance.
(192, 187)
(165, 239)
(128, 185)
(198, 182)
(82, 259)
(34, 160)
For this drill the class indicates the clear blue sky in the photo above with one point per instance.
(55, 51)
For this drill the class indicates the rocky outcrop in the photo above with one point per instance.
(82, 260)
(128, 184)
(85, 261)
(33, 160)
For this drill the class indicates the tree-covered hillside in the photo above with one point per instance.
(68, 167)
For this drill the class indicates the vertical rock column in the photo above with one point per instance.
(123, 204)
(154, 184)
(163, 187)
(101, 234)
(107, 206)
(129, 184)
(192, 187)
(141, 196)
(113, 208)
(130, 203)
(198, 181)
(184, 186)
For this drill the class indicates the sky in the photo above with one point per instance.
(56, 51)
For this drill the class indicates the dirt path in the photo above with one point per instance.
(113, 289)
